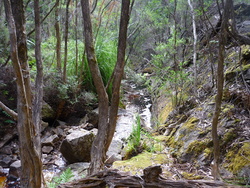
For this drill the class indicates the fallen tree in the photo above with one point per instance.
(151, 179)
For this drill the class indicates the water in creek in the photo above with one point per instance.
(137, 103)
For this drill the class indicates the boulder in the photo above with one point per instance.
(47, 112)
(76, 146)
(15, 169)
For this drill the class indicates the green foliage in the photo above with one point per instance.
(134, 145)
(135, 137)
(106, 52)
(169, 76)
(4, 38)
(66, 176)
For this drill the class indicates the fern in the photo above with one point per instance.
(66, 176)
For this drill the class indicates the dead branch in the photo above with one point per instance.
(150, 179)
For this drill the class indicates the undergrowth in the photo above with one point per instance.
(66, 176)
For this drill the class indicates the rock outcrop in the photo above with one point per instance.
(76, 146)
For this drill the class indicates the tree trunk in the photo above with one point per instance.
(119, 69)
(107, 120)
(38, 99)
(220, 84)
(66, 42)
(30, 161)
(98, 146)
(58, 39)
(194, 44)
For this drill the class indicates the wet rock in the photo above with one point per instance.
(76, 146)
(47, 149)
(15, 169)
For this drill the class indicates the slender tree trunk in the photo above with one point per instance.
(220, 83)
(119, 69)
(98, 146)
(58, 39)
(38, 99)
(31, 175)
(66, 42)
(194, 43)
(107, 120)
(76, 38)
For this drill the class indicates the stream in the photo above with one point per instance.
(136, 103)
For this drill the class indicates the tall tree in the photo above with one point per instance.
(220, 84)
(58, 38)
(27, 130)
(66, 42)
(38, 99)
(107, 118)
(194, 43)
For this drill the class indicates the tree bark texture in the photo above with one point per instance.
(98, 146)
(194, 43)
(107, 118)
(220, 85)
(66, 42)
(58, 38)
(119, 69)
(31, 175)
(38, 98)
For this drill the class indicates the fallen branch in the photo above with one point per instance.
(150, 179)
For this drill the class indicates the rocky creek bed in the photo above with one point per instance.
(62, 145)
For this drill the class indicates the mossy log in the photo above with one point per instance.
(150, 179)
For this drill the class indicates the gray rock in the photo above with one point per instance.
(50, 141)
(76, 146)
(5, 161)
(114, 151)
(47, 149)
(15, 169)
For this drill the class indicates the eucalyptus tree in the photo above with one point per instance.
(28, 110)
(107, 117)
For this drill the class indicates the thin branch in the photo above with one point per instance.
(12, 113)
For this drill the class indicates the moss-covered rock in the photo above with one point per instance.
(191, 176)
(165, 112)
(136, 164)
(238, 157)
(198, 146)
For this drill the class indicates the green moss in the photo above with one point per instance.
(138, 163)
(226, 108)
(238, 157)
(229, 136)
(160, 138)
(208, 151)
(189, 125)
(191, 176)
(198, 146)
(165, 112)
(233, 71)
